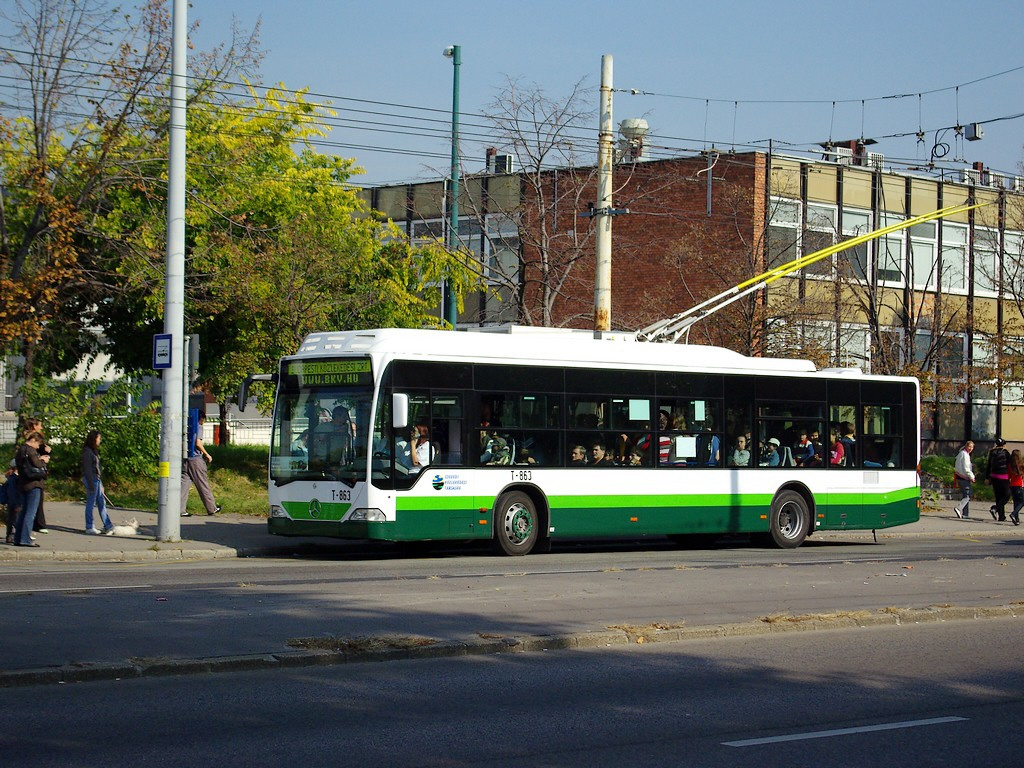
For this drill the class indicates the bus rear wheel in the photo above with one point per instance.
(790, 520)
(515, 524)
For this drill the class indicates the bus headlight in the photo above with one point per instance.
(277, 511)
(368, 515)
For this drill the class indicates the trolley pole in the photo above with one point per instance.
(603, 212)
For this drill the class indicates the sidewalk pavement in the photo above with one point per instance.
(228, 536)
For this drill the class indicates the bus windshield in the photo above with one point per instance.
(320, 429)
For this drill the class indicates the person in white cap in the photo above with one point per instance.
(772, 458)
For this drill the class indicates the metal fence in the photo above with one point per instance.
(242, 431)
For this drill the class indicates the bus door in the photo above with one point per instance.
(440, 500)
(845, 478)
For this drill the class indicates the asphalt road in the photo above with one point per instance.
(914, 695)
(86, 613)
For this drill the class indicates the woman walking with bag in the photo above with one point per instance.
(92, 478)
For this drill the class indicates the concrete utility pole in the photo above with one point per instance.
(169, 521)
(603, 212)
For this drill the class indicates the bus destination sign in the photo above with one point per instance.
(325, 373)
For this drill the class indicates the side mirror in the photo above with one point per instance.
(399, 411)
(243, 389)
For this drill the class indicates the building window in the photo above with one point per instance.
(819, 233)
(923, 249)
(783, 232)
(986, 261)
(856, 258)
(954, 253)
(891, 250)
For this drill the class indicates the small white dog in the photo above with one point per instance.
(126, 528)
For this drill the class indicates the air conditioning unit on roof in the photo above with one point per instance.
(994, 179)
(876, 160)
(504, 164)
(843, 155)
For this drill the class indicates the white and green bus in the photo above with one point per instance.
(424, 435)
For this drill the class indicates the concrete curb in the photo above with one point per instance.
(84, 672)
(161, 552)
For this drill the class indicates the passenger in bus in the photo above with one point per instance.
(664, 440)
(849, 441)
(578, 456)
(837, 455)
(496, 451)
(803, 450)
(623, 448)
(599, 455)
(739, 456)
(525, 457)
(819, 449)
(333, 442)
(300, 446)
(871, 457)
(709, 447)
(637, 458)
(772, 457)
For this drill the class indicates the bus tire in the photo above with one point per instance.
(790, 520)
(515, 524)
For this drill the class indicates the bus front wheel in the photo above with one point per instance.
(790, 520)
(515, 524)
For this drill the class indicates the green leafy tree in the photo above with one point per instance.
(83, 70)
(279, 244)
(69, 409)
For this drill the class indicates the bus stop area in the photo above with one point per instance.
(230, 536)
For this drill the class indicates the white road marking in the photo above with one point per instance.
(842, 732)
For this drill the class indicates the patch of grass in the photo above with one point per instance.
(238, 477)
(658, 626)
(778, 618)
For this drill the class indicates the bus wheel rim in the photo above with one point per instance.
(518, 524)
(789, 520)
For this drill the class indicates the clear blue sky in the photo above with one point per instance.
(724, 73)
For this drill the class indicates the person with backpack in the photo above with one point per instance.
(999, 477)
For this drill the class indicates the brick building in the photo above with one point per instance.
(943, 300)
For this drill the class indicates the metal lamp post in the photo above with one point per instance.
(453, 52)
